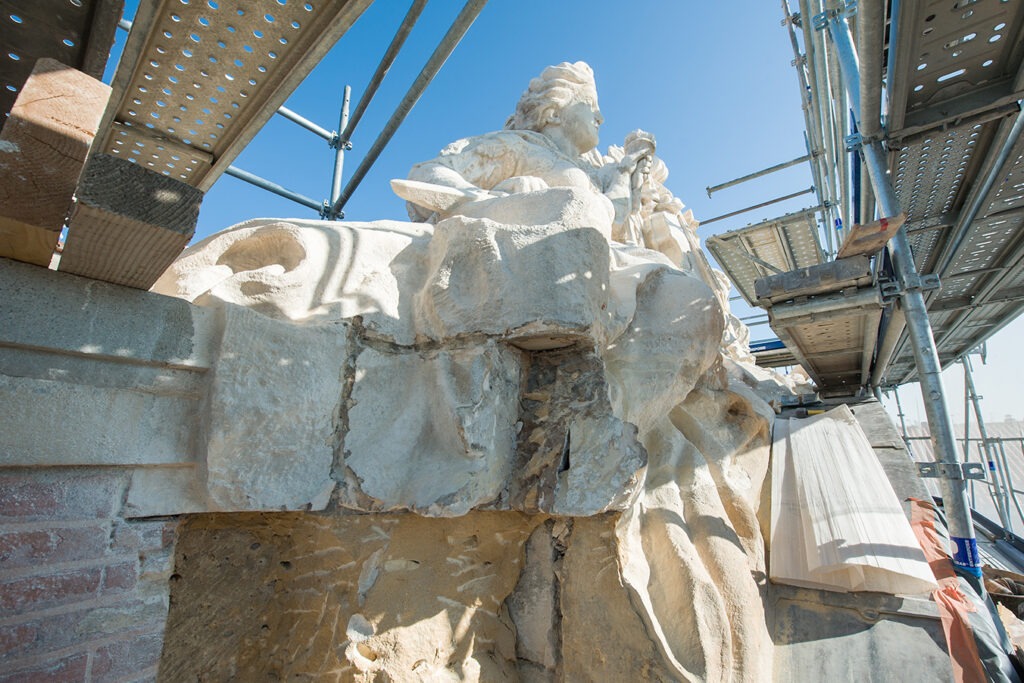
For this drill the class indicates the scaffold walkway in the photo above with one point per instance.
(940, 85)
(195, 82)
(913, 131)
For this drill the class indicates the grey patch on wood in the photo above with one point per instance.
(127, 189)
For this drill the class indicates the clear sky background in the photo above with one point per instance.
(713, 81)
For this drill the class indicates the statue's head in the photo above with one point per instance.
(562, 103)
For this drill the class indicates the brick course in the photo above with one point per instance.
(83, 592)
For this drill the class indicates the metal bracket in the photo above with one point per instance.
(890, 290)
(820, 21)
(854, 142)
(325, 212)
(951, 470)
(337, 143)
(922, 282)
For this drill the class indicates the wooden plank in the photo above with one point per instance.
(43, 147)
(869, 238)
(129, 223)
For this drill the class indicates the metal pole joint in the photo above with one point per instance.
(923, 283)
(892, 289)
(336, 142)
(951, 470)
(327, 214)
(794, 19)
(821, 21)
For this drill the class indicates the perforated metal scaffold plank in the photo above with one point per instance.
(783, 244)
(952, 59)
(954, 84)
(199, 78)
(981, 279)
(77, 33)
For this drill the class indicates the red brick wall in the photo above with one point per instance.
(83, 592)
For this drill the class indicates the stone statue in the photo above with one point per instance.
(550, 141)
(545, 338)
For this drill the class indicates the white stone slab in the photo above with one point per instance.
(273, 413)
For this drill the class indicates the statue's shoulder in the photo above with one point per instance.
(500, 143)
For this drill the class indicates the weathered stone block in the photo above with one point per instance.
(273, 413)
(539, 287)
(432, 432)
(574, 456)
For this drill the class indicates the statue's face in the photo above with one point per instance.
(580, 122)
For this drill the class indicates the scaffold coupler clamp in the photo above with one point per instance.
(951, 470)
(820, 21)
(892, 289)
(327, 212)
(923, 283)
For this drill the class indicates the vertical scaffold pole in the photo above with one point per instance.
(342, 145)
(926, 356)
(987, 447)
(967, 440)
(903, 422)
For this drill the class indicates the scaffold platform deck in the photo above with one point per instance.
(954, 78)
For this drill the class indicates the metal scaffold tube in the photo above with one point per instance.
(295, 117)
(757, 174)
(967, 438)
(383, 67)
(440, 55)
(903, 422)
(270, 186)
(870, 48)
(926, 357)
(998, 469)
(342, 145)
(809, 105)
(816, 75)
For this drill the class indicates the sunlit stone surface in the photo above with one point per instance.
(543, 411)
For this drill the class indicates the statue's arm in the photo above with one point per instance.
(437, 172)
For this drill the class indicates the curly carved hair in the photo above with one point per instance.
(557, 87)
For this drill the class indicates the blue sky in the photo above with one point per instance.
(712, 80)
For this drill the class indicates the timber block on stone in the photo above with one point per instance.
(129, 223)
(43, 147)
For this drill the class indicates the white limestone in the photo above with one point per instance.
(431, 432)
(309, 271)
(551, 340)
(293, 431)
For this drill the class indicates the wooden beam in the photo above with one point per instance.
(129, 223)
(869, 238)
(43, 147)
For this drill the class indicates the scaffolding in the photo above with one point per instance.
(913, 139)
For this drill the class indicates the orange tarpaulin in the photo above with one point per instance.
(953, 605)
